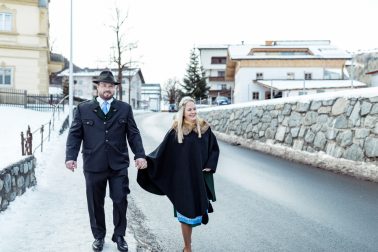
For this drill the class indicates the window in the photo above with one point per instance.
(223, 86)
(290, 76)
(308, 76)
(302, 93)
(221, 73)
(5, 22)
(259, 76)
(255, 96)
(267, 95)
(5, 76)
(218, 60)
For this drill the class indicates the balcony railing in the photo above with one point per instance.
(216, 78)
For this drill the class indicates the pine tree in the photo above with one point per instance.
(195, 79)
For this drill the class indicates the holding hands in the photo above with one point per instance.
(141, 163)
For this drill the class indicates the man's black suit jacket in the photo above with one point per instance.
(104, 136)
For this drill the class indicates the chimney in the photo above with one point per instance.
(268, 42)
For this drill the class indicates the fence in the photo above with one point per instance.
(27, 138)
(20, 98)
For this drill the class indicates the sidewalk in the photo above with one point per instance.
(53, 216)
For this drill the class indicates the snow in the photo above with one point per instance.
(18, 121)
(317, 50)
(53, 215)
(309, 84)
(351, 93)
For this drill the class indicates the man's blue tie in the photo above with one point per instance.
(105, 107)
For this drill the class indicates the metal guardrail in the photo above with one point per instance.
(27, 138)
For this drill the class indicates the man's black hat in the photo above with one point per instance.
(106, 76)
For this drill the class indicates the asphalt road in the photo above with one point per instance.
(264, 203)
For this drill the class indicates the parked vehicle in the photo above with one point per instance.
(222, 100)
(172, 108)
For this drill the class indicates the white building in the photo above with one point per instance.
(213, 60)
(86, 89)
(151, 97)
(287, 68)
(374, 78)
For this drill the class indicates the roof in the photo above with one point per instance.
(373, 72)
(282, 85)
(150, 85)
(288, 50)
(88, 72)
(212, 46)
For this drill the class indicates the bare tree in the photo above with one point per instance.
(121, 48)
(173, 91)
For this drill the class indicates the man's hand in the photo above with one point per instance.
(71, 165)
(141, 163)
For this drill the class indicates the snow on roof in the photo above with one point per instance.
(318, 50)
(94, 73)
(212, 46)
(309, 84)
(350, 93)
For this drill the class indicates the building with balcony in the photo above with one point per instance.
(151, 97)
(287, 68)
(25, 61)
(213, 60)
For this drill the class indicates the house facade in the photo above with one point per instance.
(213, 60)
(24, 48)
(287, 68)
(151, 97)
(85, 88)
(374, 78)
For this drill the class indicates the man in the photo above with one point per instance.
(102, 126)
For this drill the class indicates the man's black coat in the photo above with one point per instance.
(104, 136)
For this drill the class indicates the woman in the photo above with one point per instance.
(182, 168)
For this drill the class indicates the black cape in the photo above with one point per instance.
(175, 170)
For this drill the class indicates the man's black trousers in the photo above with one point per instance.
(96, 191)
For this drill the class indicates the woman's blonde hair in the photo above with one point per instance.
(180, 118)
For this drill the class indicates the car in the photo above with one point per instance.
(222, 100)
(172, 108)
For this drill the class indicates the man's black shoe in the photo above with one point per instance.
(121, 243)
(98, 244)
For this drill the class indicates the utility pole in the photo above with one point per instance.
(271, 89)
(130, 77)
(304, 83)
(352, 71)
(70, 85)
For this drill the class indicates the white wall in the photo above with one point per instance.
(244, 78)
(83, 87)
(374, 80)
(206, 55)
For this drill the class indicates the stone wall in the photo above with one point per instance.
(337, 133)
(14, 180)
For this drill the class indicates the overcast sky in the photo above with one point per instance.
(166, 30)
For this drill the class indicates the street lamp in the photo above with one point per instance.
(70, 85)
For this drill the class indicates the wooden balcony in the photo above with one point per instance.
(217, 78)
